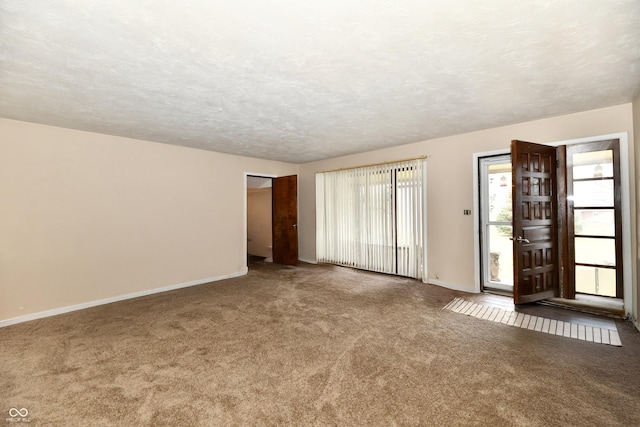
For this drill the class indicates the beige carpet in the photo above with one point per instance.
(312, 345)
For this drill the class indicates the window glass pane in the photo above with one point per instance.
(499, 192)
(595, 251)
(594, 222)
(593, 164)
(596, 281)
(500, 254)
(593, 193)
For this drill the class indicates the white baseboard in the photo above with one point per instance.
(469, 289)
(67, 309)
(636, 324)
(310, 261)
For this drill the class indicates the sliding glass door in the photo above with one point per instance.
(373, 217)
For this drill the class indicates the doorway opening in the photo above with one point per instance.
(586, 204)
(271, 218)
(496, 218)
(259, 228)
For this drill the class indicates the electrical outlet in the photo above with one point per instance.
(467, 212)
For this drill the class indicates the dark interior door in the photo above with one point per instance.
(535, 222)
(285, 220)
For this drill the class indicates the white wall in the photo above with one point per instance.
(87, 217)
(450, 183)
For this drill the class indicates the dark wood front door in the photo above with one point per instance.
(535, 222)
(285, 220)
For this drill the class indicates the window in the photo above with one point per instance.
(595, 226)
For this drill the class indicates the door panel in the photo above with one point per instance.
(535, 222)
(285, 220)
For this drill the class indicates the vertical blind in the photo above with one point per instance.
(373, 218)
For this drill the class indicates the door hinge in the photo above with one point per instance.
(557, 164)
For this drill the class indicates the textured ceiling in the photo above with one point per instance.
(299, 80)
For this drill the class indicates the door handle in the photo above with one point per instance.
(295, 225)
(520, 239)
